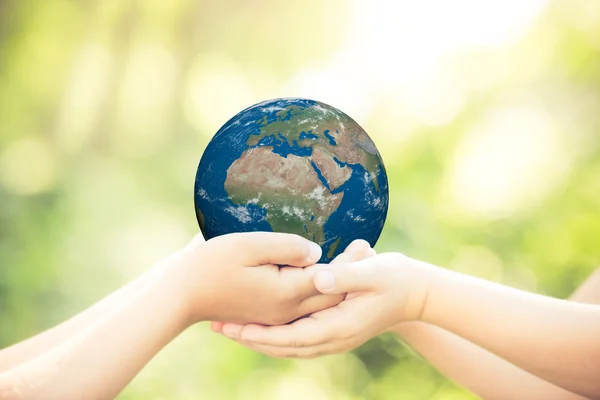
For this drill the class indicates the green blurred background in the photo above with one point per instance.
(487, 115)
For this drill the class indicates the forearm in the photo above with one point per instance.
(554, 339)
(589, 291)
(480, 371)
(483, 373)
(36, 345)
(100, 360)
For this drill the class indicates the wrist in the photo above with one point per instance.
(421, 278)
(173, 279)
(439, 282)
(405, 328)
(193, 272)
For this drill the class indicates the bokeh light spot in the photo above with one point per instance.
(28, 166)
(510, 159)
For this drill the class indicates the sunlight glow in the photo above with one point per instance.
(512, 158)
(216, 91)
(391, 50)
(478, 261)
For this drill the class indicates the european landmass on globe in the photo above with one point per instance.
(297, 166)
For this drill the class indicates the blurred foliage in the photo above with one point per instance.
(486, 115)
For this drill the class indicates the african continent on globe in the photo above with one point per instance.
(296, 166)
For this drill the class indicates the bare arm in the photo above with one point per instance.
(106, 352)
(36, 345)
(589, 291)
(480, 371)
(475, 368)
(553, 339)
(101, 359)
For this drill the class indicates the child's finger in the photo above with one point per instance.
(357, 250)
(302, 352)
(259, 248)
(345, 278)
(320, 302)
(217, 326)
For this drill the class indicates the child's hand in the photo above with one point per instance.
(357, 250)
(236, 278)
(382, 291)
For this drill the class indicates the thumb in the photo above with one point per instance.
(258, 248)
(357, 250)
(343, 278)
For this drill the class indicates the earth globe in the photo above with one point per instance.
(297, 166)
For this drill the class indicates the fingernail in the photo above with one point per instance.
(324, 280)
(315, 252)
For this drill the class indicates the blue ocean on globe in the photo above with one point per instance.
(297, 166)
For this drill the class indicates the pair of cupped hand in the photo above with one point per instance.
(265, 291)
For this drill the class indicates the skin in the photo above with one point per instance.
(96, 353)
(480, 371)
(500, 335)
